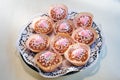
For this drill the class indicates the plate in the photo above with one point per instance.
(28, 56)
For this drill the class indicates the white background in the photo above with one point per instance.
(16, 13)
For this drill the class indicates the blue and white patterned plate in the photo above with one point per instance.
(28, 56)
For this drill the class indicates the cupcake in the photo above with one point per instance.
(42, 25)
(37, 42)
(64, 26)
(48, 61)
(61, 42)
(84, 35)
(58, 12)
(78, 54)
(83, 19)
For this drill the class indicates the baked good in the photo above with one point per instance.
(48, 61)
(42, 25)
(83, 19)
(64, 26)
(61, 42)
(58, 12)
(78, 54)
(37, 42)
(85, 35)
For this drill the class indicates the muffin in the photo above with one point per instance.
(84, 35)
(42, 25)
(48, 61)
(37, 42)
(64, 26)
(61, 42)
(78, 54)
(83, 19)
(58, 12)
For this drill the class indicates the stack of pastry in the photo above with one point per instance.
(56, 37)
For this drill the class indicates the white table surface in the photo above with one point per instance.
(15, 13)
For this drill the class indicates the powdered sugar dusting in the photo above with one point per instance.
(84, 19)
(48, 56)
(78, 52)
(38, 40)
(85, 33)
(62, 41)
(63, 26)
(58, 10)
(43, 24)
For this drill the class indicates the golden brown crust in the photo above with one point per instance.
(37, 42)
(83, 19)
(42, 25)
(55, 63)
(61, 42)
(60, 8)
(84, 56)
(82, 38)
(64, 26)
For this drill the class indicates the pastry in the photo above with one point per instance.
(83, 19)
(84, 35)
(58, 12)
(42, 25)
(78, 54)
(61, 42)
(37, 42)
(64, 26)
(48, 61)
